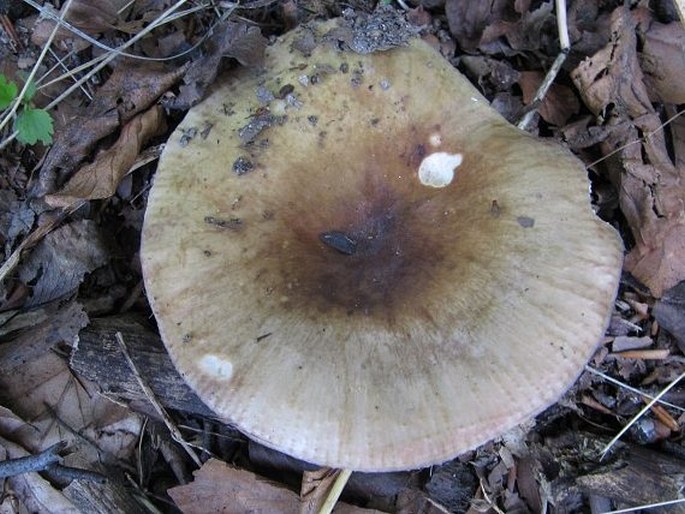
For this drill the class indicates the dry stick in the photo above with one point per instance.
(32, 463)
(335, 491)
(67, 474)
(175, 433)
(565, 43)
(640, 414)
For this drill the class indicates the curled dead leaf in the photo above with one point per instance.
(100, 178)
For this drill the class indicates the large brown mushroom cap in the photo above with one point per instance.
(314, 292)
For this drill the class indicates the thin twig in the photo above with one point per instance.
(47, 12)
(175, 432)
(640, 414)
(106, 59)
(335, 491)
(648, 506)
(565, 44)
(631, 389)
(67, 474)
(562, 24)
(29, 80)
(33, 463)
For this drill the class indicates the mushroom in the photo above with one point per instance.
(358, 262)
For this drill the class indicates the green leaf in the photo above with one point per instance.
(8, 92)
(33, 125)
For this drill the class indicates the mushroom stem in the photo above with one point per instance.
(335, 491)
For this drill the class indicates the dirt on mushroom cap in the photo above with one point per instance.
(316, 293)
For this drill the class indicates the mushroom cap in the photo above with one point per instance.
(358, 262)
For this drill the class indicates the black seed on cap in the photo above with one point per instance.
(339, 241)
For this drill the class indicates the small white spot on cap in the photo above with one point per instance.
(437, 169)
(435, 139)
(216, 366)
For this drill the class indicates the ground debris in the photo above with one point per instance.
(59, 263)
(612, 85)
(239, 41)
(626, 65)
(221, 488)
(100, 179)
(381, 30)
(129, 91)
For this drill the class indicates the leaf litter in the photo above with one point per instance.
(79, 204)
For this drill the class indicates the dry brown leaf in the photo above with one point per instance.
(91, 16)
(663, 61)
(101, 178)
(220, 488)
(651, 189)
(38, 386)
(468, 20)
(59, 262)
(652, 197)
(130, 90)
(240, 41)
(535, 30)
(316, 485)
(558, 105)
(613, 75)
(411, 501)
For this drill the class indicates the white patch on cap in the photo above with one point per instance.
(437, 169)
(435, 139)
(216, 366)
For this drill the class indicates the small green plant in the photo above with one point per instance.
(32, 124)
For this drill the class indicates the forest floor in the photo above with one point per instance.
(73, 192)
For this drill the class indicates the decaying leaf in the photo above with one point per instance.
(91, 16)
(652, 198)
(220, 488)
(101, 178)
(130, 90)
(316, 485)
(651, 189)
(59, 263)
(38, 386)
(240, 41)
(613, 75)
(663, 61)
(468, 20)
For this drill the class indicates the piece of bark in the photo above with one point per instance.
(646, 477)
(97, 357)
(110, 497)
(670, 313)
